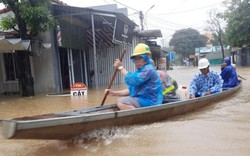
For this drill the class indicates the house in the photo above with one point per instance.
(81, 48)
(212, 53)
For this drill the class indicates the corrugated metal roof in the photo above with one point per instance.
(84, 13)
(104, 22)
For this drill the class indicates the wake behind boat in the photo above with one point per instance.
(66, 125)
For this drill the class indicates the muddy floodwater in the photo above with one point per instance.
(221, 129)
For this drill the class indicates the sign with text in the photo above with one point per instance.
(123, 33)
(78, 89)
(171, 56)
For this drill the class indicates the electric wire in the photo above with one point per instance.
(125, 5)
(164, 22)
(191, 10)
(176, 8)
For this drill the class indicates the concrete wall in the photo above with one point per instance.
(45, 66)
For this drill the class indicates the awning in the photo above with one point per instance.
(150, 33)
(10, 45)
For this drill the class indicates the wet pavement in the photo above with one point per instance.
(219, 129)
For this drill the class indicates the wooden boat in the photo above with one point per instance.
(66, 125)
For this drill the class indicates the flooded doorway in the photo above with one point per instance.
(73, 67)
(64, 63)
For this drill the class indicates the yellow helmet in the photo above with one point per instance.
(140, 49)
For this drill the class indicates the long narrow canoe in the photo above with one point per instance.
(66, 125)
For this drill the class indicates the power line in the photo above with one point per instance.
(168, 22)
(141, 15)
(163, 21)
(172, 24)
(106, 2)
(126, 6)
(180, 4)
(191, 10)
(168, 32)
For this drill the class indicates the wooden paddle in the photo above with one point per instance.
(113, 77)
(241, 77)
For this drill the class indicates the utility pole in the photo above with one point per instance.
(141, 16)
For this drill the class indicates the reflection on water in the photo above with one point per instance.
(16, 106)
(219, 129)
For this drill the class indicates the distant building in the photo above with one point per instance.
(210, 37)
(213, 54)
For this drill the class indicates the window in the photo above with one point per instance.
(10, 67)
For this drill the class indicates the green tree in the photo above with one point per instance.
(237, 16)
(31, 17)
(185, 41)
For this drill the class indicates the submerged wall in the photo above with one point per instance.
(243, 57)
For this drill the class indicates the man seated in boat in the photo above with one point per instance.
(144, 86)
(169, 85)
(228, 74)
(206, 82)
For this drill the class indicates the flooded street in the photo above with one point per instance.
(219, 129)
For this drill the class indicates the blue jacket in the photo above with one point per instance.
(229, 75)
(145, 85)
(203, 83)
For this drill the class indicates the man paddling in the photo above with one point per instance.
(144, 87)
(206, 82)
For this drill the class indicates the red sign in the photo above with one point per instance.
(78, 89)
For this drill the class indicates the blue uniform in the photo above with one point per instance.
(229, 75)
(203, 83)
(145, 85)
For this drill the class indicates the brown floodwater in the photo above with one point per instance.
(219, 129)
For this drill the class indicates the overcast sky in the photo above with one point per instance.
(167, 15)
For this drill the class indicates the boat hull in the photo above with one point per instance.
(67, 125)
